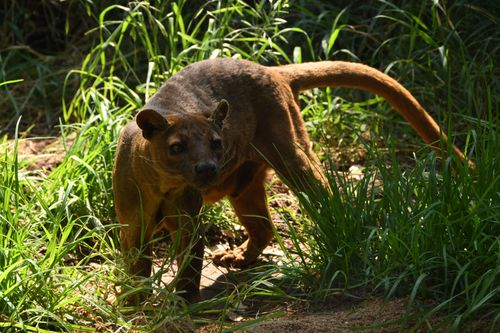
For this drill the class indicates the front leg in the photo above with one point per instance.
(251, 208)
(135, 237)
(136, 212)
(181, 219)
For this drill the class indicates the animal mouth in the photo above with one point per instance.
(204, 183)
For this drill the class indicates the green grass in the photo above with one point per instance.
(411, 227)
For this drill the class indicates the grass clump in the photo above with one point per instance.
(422, 232)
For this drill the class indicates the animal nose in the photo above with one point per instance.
(206, 169)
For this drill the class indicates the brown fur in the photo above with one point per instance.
(212, 131)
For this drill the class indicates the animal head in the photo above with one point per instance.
(189, 146)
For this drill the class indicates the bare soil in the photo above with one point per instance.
(42, 154)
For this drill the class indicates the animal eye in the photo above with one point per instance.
(176, 148)
(216, 144)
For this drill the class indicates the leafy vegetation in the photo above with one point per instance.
(410, 226)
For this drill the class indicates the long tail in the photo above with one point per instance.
(353, 75)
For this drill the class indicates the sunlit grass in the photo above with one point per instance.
(410, 226)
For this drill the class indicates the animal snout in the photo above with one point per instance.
(206, 170)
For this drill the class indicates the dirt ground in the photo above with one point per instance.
(337, 314)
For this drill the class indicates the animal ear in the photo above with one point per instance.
(150, 121)
(220, 113)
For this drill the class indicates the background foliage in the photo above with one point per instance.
(80, 69)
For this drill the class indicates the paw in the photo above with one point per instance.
(236, 258)
(191, 297)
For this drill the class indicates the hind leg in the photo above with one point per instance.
(287, 149)
(251, 208)
(294, 167)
